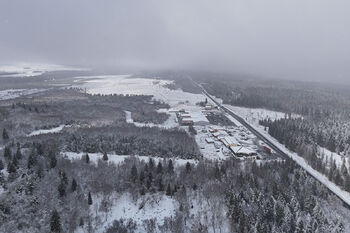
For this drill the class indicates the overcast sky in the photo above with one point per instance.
(294, 39)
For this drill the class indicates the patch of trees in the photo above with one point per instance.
(146, 116)
(132, 140)
(290, 201)
(219, 119)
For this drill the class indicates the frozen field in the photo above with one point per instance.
(15, 93)
(254, 115)
(171, 122)
(123, 84)
(30, 70)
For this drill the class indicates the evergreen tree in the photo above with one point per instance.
(105, 156)
(15, 161)
(87, 158)
(32, 159)
(160, 185)
(89, 199)
(134, 174)
(64, 178)
(347, 182)
(53, 161)
(142, 191)
(11, 168)
(18, 153)
(73, 185)
(1, 164)
(61, 189)
(170, 167)
(149, 180)
(55, 222)
(7, 153)
(40, 171)
(81, 222)
(5, 134)
(188, 167)
(168, 190)
(159, 168)
(142, 177)
(151, 164)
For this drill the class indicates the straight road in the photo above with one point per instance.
(345, 201)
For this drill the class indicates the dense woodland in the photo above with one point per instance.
(46, 192)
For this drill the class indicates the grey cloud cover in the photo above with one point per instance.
(295, 39)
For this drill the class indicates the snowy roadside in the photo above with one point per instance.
(47, 131)
(342, 194)
(328, 155)
(253, 120)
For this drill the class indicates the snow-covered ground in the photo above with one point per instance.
(328, 155)
(47, 131)
(123, 84)
(171, 122)
(29, 70)
(254, 115)
(155, 206)
(118, 159)
(15, 93)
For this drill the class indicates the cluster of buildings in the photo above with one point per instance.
(191, 118)
(235, 139)
(229, 141)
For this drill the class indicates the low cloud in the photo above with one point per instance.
(306, 40)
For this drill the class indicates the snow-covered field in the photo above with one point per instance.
(15, 93)
(29, 70)
(123, 84)
(156, 206)
(47, 131)
(171, 122)
(328, 155)
(118, 159)
(254, 115)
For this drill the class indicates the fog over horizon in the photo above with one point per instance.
(298, 40)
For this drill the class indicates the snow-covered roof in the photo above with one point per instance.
(229, 141)
(242, 150)
(209, 140)
(220, 133)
